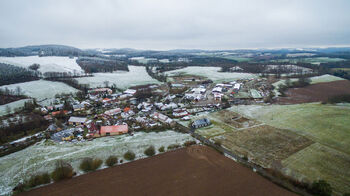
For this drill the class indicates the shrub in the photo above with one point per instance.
(321, 188)
(21, 187)
(173, 146)
(63, 171)
(111, 160)
(150, 151)
(129, 155)
(217, 143)
(190, 143)
(346, 194)
(161, 149)
(39, 180)
(89, 164)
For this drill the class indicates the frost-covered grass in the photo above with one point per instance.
(42, 89)
(320, 162)
(136, 76)
(314, 80)
(42, 156)
(13, 105)
(212, 73)
(326, 124)
(47, 64)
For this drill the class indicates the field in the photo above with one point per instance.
(260, 143)
(326, 125)
(42, 156)
(313, 60)
(212, 73)
(42, 89)
(315, 92)
(136, 76)
(314, 80)
(197, 170)
(13, 105)
(47, 64)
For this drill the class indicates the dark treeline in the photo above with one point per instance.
(94, 65)
(22, 126)
(71, 82)
(10, 74)
(331, 69)
(156, 75)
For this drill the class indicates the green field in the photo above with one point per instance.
(327, 125)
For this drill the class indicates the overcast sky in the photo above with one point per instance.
(170, 24)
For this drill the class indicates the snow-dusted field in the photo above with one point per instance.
(314, 80)
(42, 89)
(47, 64)
(42, 156)
(13, 105)
(136, 76)
(211, 73)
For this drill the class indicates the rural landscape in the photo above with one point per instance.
(245, 116)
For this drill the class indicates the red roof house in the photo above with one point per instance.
(112, 130)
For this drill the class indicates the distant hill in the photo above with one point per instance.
(45, 50)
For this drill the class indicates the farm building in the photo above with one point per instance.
(201, 123)
(77, 120)
(112, 130)
(130, 91)
(162, 118)
(217, 90)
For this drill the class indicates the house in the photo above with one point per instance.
(77, 120)
(130, 91)
(112, 130)
(217, 96)
(200, 123)
(217, 90)
(162, 118)
(78, 107)
(106, 100)
(177, 86)
(59, 112)
(113, 111)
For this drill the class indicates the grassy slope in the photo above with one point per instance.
(328, 125)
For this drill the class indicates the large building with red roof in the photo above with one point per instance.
(112, 130)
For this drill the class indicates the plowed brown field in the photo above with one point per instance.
(196, 170)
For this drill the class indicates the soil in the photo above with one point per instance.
(315, 93)
(196, 170)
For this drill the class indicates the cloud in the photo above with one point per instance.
(167, 24)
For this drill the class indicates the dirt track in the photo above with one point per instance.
(315, 92)
(197, 170)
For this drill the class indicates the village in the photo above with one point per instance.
(103, 112)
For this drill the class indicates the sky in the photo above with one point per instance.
(173, 24)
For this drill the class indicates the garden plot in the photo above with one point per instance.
(42, 89)
(263, 144)
(47, 64)
(135, 76)
(42, 156)
(212, 73)
(326, 124)
(320, 162)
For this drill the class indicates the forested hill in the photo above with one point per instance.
(10, 74)
(45, 50)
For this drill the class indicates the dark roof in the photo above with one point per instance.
(199, 122)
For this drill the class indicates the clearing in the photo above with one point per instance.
(212, 73)
(42, 89)
(196, 170)
(136, 75)
(47, 63)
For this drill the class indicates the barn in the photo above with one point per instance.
(112, 130)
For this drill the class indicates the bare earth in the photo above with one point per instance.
(196, 170)
(315, 92)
